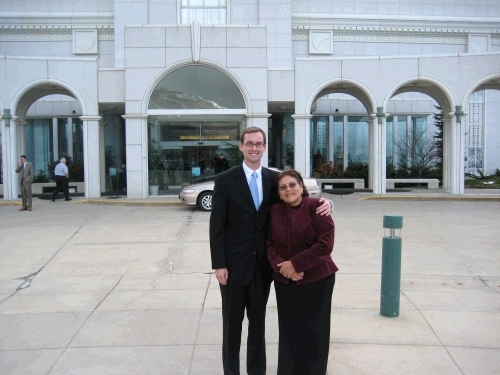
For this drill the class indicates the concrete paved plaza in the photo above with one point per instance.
(128, 289)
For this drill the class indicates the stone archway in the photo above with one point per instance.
(438, 92)
(90, 139)
(356, 90)
(481, 130)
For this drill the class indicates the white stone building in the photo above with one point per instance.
(96, 80)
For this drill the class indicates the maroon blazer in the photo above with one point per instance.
(301, 236)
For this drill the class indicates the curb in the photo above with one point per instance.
(124, 202)
(9, 203)
(460, 198)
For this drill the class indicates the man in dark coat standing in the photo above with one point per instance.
(239, 224)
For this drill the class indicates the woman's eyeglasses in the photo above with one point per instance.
(291, 185)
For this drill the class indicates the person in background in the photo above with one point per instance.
(62, 176)
(217, 166)
(299, 250)
(25, 176)
(224, 164)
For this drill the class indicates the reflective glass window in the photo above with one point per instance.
(196, 87)
(358, 139)
(338, 141)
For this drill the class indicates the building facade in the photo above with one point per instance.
(145, 95)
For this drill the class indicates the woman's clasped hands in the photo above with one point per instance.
(287, 270)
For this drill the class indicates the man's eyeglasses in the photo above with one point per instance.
(291, 185)
(251, 144)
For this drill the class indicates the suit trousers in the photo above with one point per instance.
(61, 185)
(26, 194)
(235, 300)
(304, 326)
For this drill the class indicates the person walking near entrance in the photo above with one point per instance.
(62, 176)
(224, 164)
(239, 225)
(25, 176)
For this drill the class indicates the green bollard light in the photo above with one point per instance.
(391, 267)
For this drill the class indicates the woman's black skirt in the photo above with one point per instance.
(304, 326)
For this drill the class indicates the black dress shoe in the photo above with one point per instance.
(68, 199)
(53, 200)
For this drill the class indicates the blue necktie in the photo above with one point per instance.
(254, 190)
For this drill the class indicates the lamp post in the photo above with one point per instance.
(391, 267)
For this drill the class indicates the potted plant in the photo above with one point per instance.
(155, 166)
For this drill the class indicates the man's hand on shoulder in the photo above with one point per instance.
(326, 207)
(221, 275)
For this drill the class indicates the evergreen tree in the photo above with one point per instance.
(438, 136)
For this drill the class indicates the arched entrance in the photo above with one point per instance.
(482, 132)
(427, 141)
(41, 139)
(195, 114)
(339, 136)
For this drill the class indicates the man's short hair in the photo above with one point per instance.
(24, 156)
(252, 129)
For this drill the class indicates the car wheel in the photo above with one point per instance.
(205, 201)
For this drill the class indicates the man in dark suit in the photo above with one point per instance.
(239, 224)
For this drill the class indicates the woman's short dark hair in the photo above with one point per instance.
(294, 174)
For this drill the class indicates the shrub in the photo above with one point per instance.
(356, 169)
(41, 177)
(328, 170)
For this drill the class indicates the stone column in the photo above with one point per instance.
(331, 151)
(346, 142)
(14, 155)
(447, 128)
(260, 120)
(371, 152)
(378, 152)
(91, 162)
(55, 139)
(302, 144)
(461, 155)
(102, 155)
(21, 132)
(9, 156)
(457, 148)
(69, 135)
(136, 143)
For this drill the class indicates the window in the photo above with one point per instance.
(358, 139)
(474, 145)
(211, 12)
(196, 87)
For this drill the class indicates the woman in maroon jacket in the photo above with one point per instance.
(299, 249)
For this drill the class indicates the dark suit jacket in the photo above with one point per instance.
(238, 232)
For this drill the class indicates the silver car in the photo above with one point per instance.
(201, 194)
